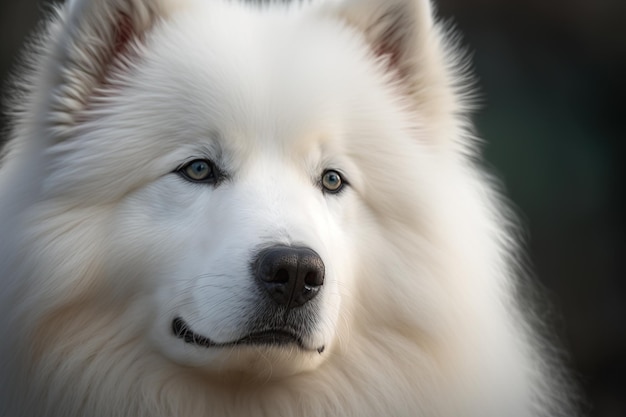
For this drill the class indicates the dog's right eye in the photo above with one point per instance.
(199, 170)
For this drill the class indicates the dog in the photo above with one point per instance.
(221, 208)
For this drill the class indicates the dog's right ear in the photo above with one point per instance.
(91, 43)
(405, 36)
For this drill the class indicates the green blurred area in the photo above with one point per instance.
(552, 77)
(552, 80)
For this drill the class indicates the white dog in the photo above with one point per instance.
(213, 208)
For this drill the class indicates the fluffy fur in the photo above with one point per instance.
(105, 241)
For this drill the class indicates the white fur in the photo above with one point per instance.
(103, 245)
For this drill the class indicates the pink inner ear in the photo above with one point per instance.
(124, 34)
(389, 47)
(390, 52)
(106, 54)
(117, 59)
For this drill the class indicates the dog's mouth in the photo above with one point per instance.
(270, 337)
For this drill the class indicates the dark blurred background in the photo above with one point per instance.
(552, 76)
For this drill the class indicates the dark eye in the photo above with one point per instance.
(332, 181)
(199, 170)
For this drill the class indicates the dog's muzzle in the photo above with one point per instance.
(291, 277)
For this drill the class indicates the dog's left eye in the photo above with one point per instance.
(332, 181)
(199, 170)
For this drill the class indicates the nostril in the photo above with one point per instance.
(281, 277)
(314, 279)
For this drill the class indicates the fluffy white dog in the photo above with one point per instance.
(213, 208)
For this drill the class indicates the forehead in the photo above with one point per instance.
(244, 71)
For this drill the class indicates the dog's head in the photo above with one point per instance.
(236, 167)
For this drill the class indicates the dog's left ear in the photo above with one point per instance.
(404, 34)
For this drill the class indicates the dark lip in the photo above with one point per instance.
(269, 337)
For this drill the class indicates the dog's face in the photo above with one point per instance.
(237, 204)
(238, 173)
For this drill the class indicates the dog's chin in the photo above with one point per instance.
(264, 353)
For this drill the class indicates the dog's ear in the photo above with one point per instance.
(87, 47)
(404, 34)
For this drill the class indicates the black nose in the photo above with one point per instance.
(291, 276)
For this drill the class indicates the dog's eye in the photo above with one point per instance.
(199, 170)
(332, 181)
